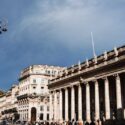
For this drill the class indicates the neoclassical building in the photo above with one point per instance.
(8, 104)
(91, 90)
(33, 98)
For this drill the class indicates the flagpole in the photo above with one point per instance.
(93, 45)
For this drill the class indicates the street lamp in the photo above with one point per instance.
(3, 26)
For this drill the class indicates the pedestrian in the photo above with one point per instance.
(87, 123)
(67, 123)
(63, 123)
(47, 123)
(92, 123)
(36, 123)
(73, 122)
(80, 123)
(70, 122)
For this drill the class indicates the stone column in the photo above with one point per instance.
(55, 106)
(124, 113)
(29, 114)
(87, 102)
(118, 92)
(51, 107)
(97, 109)
(38, 110)
(45, 113)
(72, 103)
(66, 104)
(107, 99)
(60, 106)
(79, 103)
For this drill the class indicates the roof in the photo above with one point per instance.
(2, 93)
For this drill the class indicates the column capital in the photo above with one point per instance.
(65, 88)
(60, 90)
(54, 91)
(72, 86)
(51, 92)
(105, 78)
(79, 84)
(76, 84)
(57, 90)
(94, 80)
(87, 83)
(116, 75)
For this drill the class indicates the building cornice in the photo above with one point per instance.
(100, 66)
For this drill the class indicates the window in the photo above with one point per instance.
(42, 80)
(37, 72)
(47, 116)
(34, 80)
(47, 108)
(48, 72)
(46, 80)
(34, 87)
(42, 108)
(41, 116)
(42, 87)
(54, 72)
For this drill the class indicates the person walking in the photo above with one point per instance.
(92, 123)
(87, 123)
(73, 122)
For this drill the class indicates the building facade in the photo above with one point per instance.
(91, 91)
(8, 104)
(33, 99)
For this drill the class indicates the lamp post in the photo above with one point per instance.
(3, 26)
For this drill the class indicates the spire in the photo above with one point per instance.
(93, 46)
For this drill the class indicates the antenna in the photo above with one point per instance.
(93, 46)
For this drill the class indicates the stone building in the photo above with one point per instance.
(2, 100)
(8, 104)
(1, 93)
(91, 90)
(33, 99)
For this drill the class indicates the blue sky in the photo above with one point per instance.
(56, 32)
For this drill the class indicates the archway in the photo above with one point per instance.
(33, 114)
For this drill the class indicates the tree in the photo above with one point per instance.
(3, 26)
